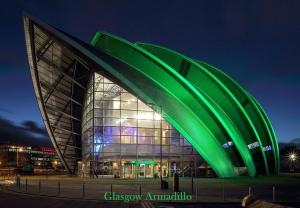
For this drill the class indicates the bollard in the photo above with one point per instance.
(40, 186)
(83, 190)
(223, 192)
(18, 180)
(58, 189)
(273, 193)
(249, 191)
(196, 192)
(140, 189)
(111, 188)
(192, 185)
(26, 185)
(175, 182)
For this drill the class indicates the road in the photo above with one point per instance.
(17, 200)
(14, 200)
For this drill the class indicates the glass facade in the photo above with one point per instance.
(123, 137)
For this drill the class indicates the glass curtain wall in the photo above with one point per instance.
(123, 137)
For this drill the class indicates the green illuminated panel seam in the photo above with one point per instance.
(272, 135)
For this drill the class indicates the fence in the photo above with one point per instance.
(200, 192)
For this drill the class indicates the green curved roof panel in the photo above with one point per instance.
(250, 121)
(258, 116)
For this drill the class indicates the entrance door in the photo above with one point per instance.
(142, 170)
(145, 170)
(129, 170)
(149, 171)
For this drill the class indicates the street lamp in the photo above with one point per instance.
(19, 149)
(55, 164)
(293, 159)
(160, 118)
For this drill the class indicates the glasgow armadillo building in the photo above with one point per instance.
(129, 110)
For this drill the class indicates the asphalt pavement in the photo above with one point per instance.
(16, 200)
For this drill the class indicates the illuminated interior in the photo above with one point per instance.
(127, 140)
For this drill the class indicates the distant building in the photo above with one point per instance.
(18, 156)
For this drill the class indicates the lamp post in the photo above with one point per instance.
(161, 116)
(19, 149)
(55, 164)
(161, 175)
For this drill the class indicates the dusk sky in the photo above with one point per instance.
(255, 42)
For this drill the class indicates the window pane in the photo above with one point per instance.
(112, 148)
(144, 140)
(98, 121)
(143, 115)
(146, 132)
(111, 121)
(112, 113)
(129, 131)
(146, 123)
(143, 106)
(111, 139)
(128, 149)
(98, 95)
(128, 113)
(144, 149)
(130, 105)
(128, 97)
(98, 104)
(129, 139)
(98, 112)
(128, 122)
(111, 130)
(175, 149)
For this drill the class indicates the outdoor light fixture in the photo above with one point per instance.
(293, 156)
(115, 165)
(19, 149)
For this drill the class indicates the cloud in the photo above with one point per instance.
(29, 133)
(4, 110)
(31, 126)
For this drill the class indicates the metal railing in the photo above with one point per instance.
(202, 192)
